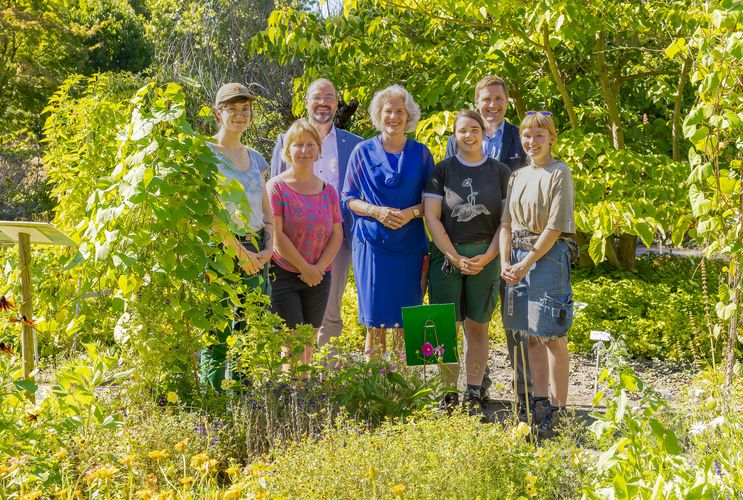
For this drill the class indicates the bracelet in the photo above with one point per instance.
(369, 208)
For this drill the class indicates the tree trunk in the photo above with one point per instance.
(557, 77)
(677, 133)
(733, 327)
(584, 260)
(611, 94)
(626, 247)
(518, 101)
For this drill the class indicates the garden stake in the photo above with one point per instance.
(599, 337)
(515, 399)
(526, 381)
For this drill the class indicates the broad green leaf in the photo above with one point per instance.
(699, 204)
(676, 46)
(26, 385)
(725, 311)
(597, 249)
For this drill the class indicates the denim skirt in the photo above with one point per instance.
(541, 303)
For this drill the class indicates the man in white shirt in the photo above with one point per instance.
(322, 102)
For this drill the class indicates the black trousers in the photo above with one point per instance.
(295, 301)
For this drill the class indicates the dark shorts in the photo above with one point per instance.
(541, 303)
(295, 301)
(473, 296)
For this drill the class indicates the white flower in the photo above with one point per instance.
(717, 422)
(698, 428)
(698, 392)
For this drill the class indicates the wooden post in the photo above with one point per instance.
(27, 339)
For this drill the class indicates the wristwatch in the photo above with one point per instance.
(416, 212)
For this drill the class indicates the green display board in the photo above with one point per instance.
(430, 334)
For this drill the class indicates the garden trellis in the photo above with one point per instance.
(26, 234)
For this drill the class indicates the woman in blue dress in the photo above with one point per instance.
(383, 189)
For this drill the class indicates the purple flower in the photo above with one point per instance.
(393, 367)
(383, 371)
(440, 350)
(427, 349)
(716, 466)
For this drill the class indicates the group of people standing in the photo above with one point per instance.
(498, 209)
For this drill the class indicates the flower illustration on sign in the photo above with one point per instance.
(427, 349)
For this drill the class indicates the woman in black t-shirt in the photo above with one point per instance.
(462, 203)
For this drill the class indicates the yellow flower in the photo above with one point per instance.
(31, 495)
(127, 460)
(158, 454)
(180, 446)
(105, 473)
(531, 485)
(172, 397)
(227, 384)
(187, 481)
(521, 430)
(143, 494)
(61, 454)
(233, 492)
(398, 490)
(198, 460)
(210, 466)
(4, 469)
(232, 470)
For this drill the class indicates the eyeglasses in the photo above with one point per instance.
(323, 98)
(543, 113)
(242, 111)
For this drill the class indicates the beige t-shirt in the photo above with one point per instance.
(541, 198)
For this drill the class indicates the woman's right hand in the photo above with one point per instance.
(389, 217)
(249, 262)
(312, 275)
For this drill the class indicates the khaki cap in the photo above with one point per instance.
(230, 90)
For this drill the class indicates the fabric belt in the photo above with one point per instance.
(523, 240)
(479, 242)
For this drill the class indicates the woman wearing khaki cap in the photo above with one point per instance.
(233, 110)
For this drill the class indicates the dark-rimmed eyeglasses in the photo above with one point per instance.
(543, 113)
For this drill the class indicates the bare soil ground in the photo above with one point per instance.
(669, 379)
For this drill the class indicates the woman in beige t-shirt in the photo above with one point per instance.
(535, 264)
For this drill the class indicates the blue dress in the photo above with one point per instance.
(387, 263)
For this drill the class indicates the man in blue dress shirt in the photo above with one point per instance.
(337, 144)
(502, 142)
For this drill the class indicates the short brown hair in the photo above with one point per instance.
(488, 81)
(468, 113)
(296, 130)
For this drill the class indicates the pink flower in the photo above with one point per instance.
(439, 350)
(427, 349)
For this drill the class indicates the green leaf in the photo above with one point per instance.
(26, 385)
(679, 230)
(645, 232)
(699, 204)
(725, 311)
(597, 249)
(676, 46)
(114, 421)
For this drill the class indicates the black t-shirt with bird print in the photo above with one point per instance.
(472, 197)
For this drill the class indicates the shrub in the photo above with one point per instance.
(659, 309)
(428, 456)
